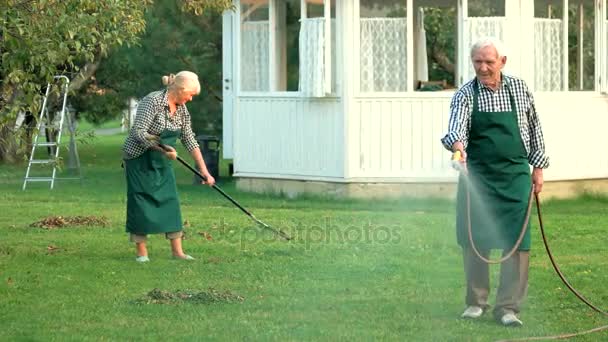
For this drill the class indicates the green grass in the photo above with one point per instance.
(357, 270)
(84, 125)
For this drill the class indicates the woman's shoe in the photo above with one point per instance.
(184, 257)
(142, 258)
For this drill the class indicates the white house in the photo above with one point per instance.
(346, 115)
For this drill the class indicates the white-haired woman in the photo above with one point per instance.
(152, 202)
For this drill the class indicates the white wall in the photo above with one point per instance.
(289, 137)
(574, 125)
(398, 138)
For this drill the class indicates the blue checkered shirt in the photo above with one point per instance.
(498, 101)
(152, 118)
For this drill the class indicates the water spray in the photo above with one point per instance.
(459, 164)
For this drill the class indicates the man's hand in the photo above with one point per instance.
(458, 146)
(537, 180)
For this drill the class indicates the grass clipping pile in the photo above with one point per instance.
(211, 296)
(52, 222)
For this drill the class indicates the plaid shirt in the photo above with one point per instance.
(152, 118)
(498, 101)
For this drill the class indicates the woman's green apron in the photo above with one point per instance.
(152, 202)
(500, 180)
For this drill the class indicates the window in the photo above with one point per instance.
(383, 45)
(286, 46)
(255, 39)
(581, 45)
(435, 41)
(604, 63)
(549, 45)
(483, 18)
(318, 54)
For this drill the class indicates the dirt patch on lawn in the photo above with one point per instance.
(211, 296)
(52, 222)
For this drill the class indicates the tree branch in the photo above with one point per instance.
(84, 75)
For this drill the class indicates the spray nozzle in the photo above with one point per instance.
(457, 162)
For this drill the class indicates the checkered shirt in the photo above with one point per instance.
(152, 118)
(498, 101)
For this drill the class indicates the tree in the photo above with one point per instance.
(43, 38)
(40, 39)
(173, 41)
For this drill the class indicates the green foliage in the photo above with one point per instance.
(41, 39)
(96, 108)
(173, 41)
(440, 27)
(198, 7)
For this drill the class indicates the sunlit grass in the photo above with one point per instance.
(356, 270)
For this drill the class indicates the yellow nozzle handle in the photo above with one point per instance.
(457, 156)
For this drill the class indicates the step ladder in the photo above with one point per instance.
(47, 127)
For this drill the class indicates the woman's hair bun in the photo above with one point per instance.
(168, 80)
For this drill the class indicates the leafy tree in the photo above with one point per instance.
(173, 41)
(43, 38)
(40, 39)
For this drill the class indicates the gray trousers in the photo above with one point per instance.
(513, 283)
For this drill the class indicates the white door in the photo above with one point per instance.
(228, 84)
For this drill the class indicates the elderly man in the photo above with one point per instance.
(494, 125)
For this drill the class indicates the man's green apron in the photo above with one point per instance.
(152, 202)
(500, 177)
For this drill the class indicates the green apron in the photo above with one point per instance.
(499, 176)
(152, 202)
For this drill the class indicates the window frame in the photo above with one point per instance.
(272, 53)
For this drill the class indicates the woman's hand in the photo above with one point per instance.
(209, 180)
(170, 152)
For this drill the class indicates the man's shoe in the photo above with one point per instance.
(472, 312)
(510, 320)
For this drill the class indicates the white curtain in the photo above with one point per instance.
(548, 54)
(476, 28)
(383, 54)
(255, 61)
(312, 57)
(422, 68)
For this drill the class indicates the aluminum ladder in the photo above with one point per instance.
(47, 127)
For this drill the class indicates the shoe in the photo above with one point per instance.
(510, 320)
(472, 312)
(185, 257)
(142, 258)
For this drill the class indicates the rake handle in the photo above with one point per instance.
(218, 189)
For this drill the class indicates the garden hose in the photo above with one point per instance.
(459, 165)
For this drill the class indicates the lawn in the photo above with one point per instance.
(356, 270)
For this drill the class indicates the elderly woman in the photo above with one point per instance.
(152, 202)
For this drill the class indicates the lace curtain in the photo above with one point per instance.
(255, 60)
(312, 57)
(476, 28)
(548, 54)
(383, 54)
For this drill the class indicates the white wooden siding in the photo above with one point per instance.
(574, 125)
(289, 137)
(398, 138)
